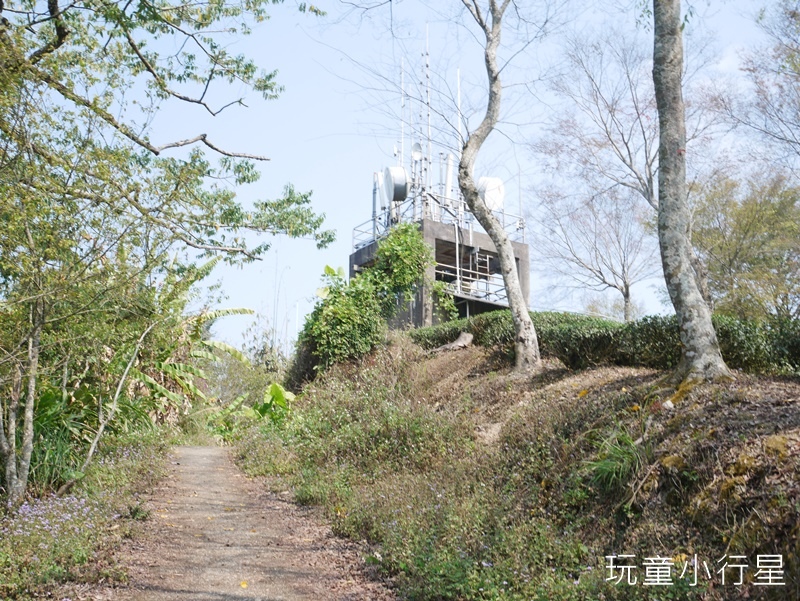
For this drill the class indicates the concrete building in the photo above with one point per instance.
(465, 257)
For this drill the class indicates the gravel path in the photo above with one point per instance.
(215, 535)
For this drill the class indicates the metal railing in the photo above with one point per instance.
(436, 208)
(472, 284)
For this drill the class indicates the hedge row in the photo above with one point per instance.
(580, 341)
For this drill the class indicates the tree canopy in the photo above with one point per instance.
(748, 235)
(102, 224)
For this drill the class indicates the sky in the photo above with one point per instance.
(336, 123)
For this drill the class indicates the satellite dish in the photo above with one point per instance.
(492, 191)
(395, 184)
(416, 151)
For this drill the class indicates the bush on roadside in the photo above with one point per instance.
(580, 345)
(653, 341)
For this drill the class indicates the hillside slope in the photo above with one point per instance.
(473, 483)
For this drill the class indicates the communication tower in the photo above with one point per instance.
(465, 257)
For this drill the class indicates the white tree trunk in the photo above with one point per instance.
(18, 465)
(701, 358)
(627, 305)
(526, 343)
(8, 430)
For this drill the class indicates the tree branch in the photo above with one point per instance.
(61, 34)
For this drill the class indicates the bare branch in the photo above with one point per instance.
(165, 88)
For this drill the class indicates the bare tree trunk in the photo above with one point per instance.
(701, 358)
(627, 307)
(701, 275)
(526, 343)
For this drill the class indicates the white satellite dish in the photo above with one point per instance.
(492, 191)
(395, 183)
(416, 152)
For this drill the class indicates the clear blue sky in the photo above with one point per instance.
(328, 132)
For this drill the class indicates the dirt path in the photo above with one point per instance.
(215, 535)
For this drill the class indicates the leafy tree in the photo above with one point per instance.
(99, 221)
(748, 235)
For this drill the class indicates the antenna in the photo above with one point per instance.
(428, 101)
(460, 141)
(402, 111)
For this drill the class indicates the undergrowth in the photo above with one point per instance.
(388, 448)
(49, 541)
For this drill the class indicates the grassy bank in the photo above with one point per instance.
(50, 541)
(470, 483)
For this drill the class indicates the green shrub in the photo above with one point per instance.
(653, 341)
(745, 344)
(577, 340)
(347, 324)
(492, 329)
(443, 333)
(350, 318)
(580, 345)
(784, 336)
(400, 263)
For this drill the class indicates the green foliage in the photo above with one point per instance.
(250, 371)
(745, 344)
(274, 406)
(400, 264)
(654, 341)
(582, 343)
(785, 336)
(748, 236)
(346, 324)
(443, 333)
(101, 226)
(349, 320)
(444, 300)
(619, 460)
